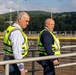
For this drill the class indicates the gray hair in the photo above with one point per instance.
(20, 15)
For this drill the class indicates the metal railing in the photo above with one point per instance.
(61, 33)
(33, 69)
(6, 63)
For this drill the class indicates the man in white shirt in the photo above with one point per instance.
(14, 40)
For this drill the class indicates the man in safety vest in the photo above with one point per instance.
(48, 44)
(16, 43)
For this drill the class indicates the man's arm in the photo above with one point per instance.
(47, 41)
(17, 40)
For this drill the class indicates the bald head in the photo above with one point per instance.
(49, 23)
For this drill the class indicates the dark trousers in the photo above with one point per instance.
(49, 68)
(13, 68)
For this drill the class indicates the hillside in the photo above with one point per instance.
(65, 21)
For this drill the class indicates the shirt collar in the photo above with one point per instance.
(47, 29)
(17, 25)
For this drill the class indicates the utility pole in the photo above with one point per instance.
(10, 16)
(51, 12)
(17, 2)
(9, 6)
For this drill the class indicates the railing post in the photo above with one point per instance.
(33, 64)
(7, 69)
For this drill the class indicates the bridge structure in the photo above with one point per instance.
(67, 58)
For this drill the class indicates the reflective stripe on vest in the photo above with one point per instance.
(55, 46)
(8, 45)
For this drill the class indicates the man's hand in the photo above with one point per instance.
(56, 62)
(23, 72)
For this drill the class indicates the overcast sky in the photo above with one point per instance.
(42, 5)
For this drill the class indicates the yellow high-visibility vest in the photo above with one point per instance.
(8, 45)
(55, 46)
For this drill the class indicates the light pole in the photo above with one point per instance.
(51, 12)
(10, 16)
(9, 6)
(17, 2)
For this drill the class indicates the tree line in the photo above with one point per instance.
(65, 21)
